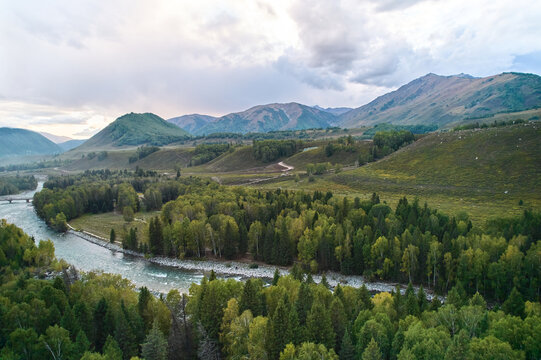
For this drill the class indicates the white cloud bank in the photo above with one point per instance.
(70, 67)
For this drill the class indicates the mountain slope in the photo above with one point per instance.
(193, 122)
(442, 100)
(15, 142)
(496, 162)
(335, 111)
(70, 144)
(136, 129)
(271, 117)
(57, 139)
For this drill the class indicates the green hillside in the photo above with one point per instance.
(166, 159)
(498, 162)
(485, 172)
(136, 129)
(16, 142)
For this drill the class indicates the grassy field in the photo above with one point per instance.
(166, 159)
(483, 172)
(101, 224)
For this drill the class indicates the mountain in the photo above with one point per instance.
(136, 129)
(15, 142)
(57, 139)
(70, 144)
(193, 122)
(263, 118)
(442, 100)
(335, 111)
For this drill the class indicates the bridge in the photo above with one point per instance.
(11, 199)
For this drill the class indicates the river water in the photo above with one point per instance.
(87, 256)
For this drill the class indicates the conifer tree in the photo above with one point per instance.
(319, 325)
(372, 351)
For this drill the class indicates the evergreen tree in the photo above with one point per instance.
(250, 299)
(124, 334)
(347, 349)
(112, 236)
(111, 350)
(278, 330)
(100, 331)
(304, 302)
(319, 325)
(514, 304)
(142, 307)
(372, 351)
(421, 299)
(276, 277)
(155, 345)
(81, 345)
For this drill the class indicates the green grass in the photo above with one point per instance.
(101, 224)
(442, 170)
(166, 159)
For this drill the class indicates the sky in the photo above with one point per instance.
(71, 67)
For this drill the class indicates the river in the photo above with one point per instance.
(88, 257)
(159, 274)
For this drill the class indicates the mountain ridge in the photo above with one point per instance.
(16, 142)
(443, 100)
(136, 129)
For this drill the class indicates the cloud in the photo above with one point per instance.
(65, 63)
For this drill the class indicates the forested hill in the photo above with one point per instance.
(261, 118)
(136, 129)
(15, 142)
(434, 99)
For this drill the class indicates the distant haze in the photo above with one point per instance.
(69, 68)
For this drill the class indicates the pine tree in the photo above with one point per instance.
(124, 335)
(514, 304)
(250, 299)
(278, 329)
(100, 331)
(347, 349)
(69, 322)
(319, 325)
(304, 302)
(81, 345)
(372, 351)
(276, 277)
(111, 350)
(421, 299)
(112, 236)
(155, 345)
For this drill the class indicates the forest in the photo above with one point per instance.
(321, 232)
(204, 153)
(50, 310)
(14, 184)
(270, 150)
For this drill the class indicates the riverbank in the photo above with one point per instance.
(236, 269)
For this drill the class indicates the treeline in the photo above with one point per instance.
(102, 317)
(410, 243)
(296, 319)
(342, 144)
(204, 153)
(14, 184)
(35, 165)
(142, 152)
(496, 123)
(80, 316)
(415, 129)
(270, 150)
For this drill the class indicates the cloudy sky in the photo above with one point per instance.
(71, 67)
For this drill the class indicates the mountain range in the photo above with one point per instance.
(431, 99)
(260, 118)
